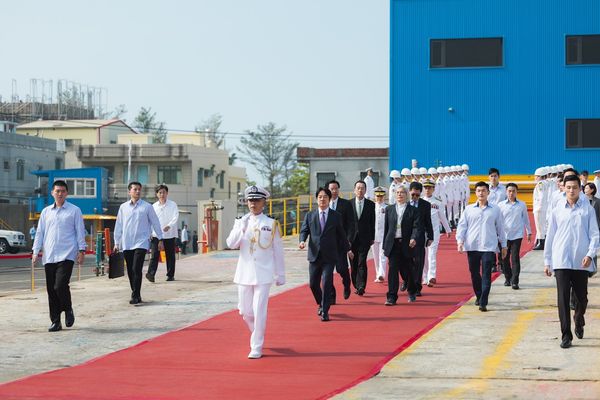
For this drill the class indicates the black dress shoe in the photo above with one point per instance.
(506, 283)
(412, 298)
(476, 302)
(135, 300)
(332, 303)
(69, 318)
(515, 286)
(566, 343)
(418, 294)
(482, 308)
(579, 332)
(55, 327)
(149, 277)
(319, 310)
(170, 279)
(325, 317)
(346, 293)
(361, 292)
(389, 302)
(403, 286)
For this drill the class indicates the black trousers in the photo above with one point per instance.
(565, 279)
(184, 247)
(321, 274)
(419, 252)
(169, 252)
(58, 276)
(135, 263)
(400, 264)
(359, 266)
(342, 269)
(481, 281)
(511, 265)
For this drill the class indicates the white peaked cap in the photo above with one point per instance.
(395, 174)
(405, 171)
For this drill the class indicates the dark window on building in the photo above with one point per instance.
(58, 163)
(169, 174)
(6, 165)
(212, 193)
(583, 133)
(20, 170)
(324, 177)
(239, 187)
(200, 177)
(455, 53)
(222, 180)
(583, 49)
(229, 189)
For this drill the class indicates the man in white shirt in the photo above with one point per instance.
(184, 239)
(497, 190)
(370, 184)
(135, 221)
(516, 220)
(572, 241)
(479, 231)
(168, 214)
(61, 235)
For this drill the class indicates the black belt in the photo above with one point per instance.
(398, 240)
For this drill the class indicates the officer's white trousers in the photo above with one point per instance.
(455, 212)
(449, 207)
(379, 259)
(430, 268)
(252, 303)
(539, 218)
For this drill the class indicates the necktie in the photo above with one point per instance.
(360, 206)
(333, 205)
(322, 220)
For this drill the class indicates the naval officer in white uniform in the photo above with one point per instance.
(260, 263)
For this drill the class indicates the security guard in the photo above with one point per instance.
(260, 263)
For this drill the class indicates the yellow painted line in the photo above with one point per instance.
(497, 360)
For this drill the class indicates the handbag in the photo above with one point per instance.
(116, 265)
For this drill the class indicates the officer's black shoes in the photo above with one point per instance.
(319, 310)
(565, 344)
(346, 293)
(325, 317)
(150, 277)
(69, 318)
(483, 308)
(579, 332)
(403, 286)
(55, 327)
(539, 245)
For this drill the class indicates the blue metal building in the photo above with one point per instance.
(513, 84)
(88, 189)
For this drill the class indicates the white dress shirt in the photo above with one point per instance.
(497, 194)
(481, 228)
(134, 226)
(168, 215)
(400, 208)
(515, 219)
(333, 204)
(572, 235)
(60, 233)
(379, 221)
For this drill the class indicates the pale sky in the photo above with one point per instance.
(320, 67)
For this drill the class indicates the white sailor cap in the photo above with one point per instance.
(432, 171)
(465, 167)
(405, 171)
(415, 171)
(256, 192)
(368, 169)
(395, 174)
(423, 171)
(540, 171)
(597, 171)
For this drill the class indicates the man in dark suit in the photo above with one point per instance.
(362, 235)
(401, 230)
(327, 240)
(343, 207)
(425, 237)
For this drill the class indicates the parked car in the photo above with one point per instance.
(11, 241)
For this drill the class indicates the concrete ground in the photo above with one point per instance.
(512, 351)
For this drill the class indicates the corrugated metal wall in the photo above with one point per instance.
(510, 117)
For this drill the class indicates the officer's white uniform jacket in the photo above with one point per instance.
(438, 216)
(540, 196)
(440, 190)
(261, 250)
(449, 189)
(392, 192)
(379, 221)
(370, 184)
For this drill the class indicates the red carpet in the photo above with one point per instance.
(304, 357)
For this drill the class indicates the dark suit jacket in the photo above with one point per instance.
(595, 202)
(324, 246)
(345, 209)
(363, 229)
(410, 226)
(424, 208)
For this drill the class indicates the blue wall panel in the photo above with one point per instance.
(510, 117)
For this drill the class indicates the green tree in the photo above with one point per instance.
(299, 181)
(146, 122)
(270, 151)
(211, 127)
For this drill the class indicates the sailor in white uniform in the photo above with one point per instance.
(396, 183)
(438, 220)
(260, 263)
(540, 207)
(370, 183)
(379, 258)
